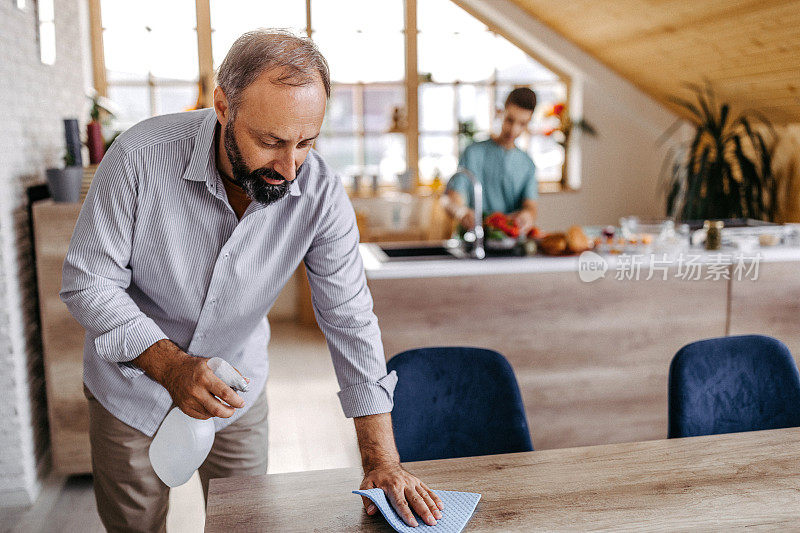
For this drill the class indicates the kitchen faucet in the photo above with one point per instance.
(475, 235)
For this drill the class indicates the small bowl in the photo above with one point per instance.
(506, 243)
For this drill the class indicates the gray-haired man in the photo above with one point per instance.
(193, 224)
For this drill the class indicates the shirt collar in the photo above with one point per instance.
(200, 167)
(202, 163)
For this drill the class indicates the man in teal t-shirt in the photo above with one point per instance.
(507, 174)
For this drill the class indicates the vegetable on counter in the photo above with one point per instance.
(574, 241)
(499, 226)
(577, 241)
(553, 244)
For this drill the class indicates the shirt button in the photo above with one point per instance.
(213, 300)
(226, 255)
(199, 335)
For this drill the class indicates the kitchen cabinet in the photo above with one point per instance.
(770, 305)
(62, 341)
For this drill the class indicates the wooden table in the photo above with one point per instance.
(719, 482)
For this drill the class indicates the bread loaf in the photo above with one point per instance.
(554, 244)
(577, 241)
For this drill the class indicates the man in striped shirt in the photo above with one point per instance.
(193, 224)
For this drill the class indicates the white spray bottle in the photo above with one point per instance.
(182, 442)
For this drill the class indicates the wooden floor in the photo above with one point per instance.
(307, 429)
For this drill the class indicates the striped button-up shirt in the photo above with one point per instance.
(158, 252)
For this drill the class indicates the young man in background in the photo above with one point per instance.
(506, 173)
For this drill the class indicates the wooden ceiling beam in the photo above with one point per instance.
(748, 49)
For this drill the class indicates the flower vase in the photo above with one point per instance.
(95, 142)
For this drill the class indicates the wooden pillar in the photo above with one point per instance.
(98, 55)
(204, 53)
(412, 91)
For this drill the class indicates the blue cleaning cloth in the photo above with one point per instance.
(458, 509)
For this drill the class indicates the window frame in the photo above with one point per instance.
(360, 131)
(412, 82)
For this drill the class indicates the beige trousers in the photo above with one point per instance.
(130, 496)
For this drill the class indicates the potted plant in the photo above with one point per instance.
(65, 183)
(466, 134)
(726, 169)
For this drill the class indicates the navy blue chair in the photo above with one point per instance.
(456, 402)
(733, 384)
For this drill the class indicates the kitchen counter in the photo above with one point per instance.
(432, 268)
(591, 358)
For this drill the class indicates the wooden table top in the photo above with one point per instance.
(717, 482)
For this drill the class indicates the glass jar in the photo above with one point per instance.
(713, 234)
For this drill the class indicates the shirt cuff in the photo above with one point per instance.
(128, 341)
(370, 398)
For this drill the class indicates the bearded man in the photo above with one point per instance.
(192, 226)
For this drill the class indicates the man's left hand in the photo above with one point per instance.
(405, 492)
(524, 220)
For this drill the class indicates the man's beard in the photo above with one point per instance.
(252, 181)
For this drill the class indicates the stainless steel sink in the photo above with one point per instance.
(392, 252)
(417, 251)
(427, 251)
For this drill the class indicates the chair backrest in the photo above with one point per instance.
(456, 402)
(733, 384)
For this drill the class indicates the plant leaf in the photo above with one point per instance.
(687, 105)
(723, 116)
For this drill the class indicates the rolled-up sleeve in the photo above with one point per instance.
(343, 308)
(96, 271)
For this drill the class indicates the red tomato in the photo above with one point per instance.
(495, 219)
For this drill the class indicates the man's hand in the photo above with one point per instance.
(525, 218)
(453, 203)
(467, 220)
(189, 381)
(405, 492)
(524, 221)
(382, 470)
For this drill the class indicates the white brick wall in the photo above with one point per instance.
(36, 99)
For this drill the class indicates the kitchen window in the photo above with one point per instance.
(150, 53)
(379, 115)
(466, 71)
